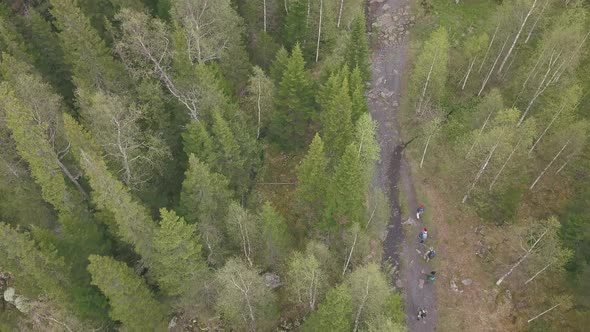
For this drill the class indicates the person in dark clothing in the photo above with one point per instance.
(422, 313)
(419, 211)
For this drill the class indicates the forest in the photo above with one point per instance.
(199, 165)
(189, 165)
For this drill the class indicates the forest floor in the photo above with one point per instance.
(390, 21)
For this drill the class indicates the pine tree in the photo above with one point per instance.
(178, 266)
(92, 63)
(244, 300)
(336, 120)
(312, 177)
(295, 30)
(205, 196)
(333, 314)
(346, 192)
(365, 138)
(279, 65)
(294, 102)
(277, 238)
(357, 94)
(358, 48)
(130, 299)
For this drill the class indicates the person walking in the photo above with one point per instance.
(431, 277)
(423, 235)
(422, 313)
(419, 211)
(429, 254)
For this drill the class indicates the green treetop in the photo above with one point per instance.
(131, 301)
(277, 238)
(336, 118)
(312, 177)
(357, 94)
(334, 314)
(279, 65)
(358, 48)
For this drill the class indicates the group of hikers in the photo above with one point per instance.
(428, 255)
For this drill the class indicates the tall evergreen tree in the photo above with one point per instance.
(277, 239)
(295, 29)
(294, 103)
(312, 177)
(279, 65)
(346, 192)
(131, 301)
(365, 138)
(358, 48)
(336, 118)
(357, 94)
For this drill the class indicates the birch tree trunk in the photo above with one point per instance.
(536, 274)
(245, 242)
(67, 172)
(528, 252)
(485, 81)
(349, 255)
(547, 128)
(313, 290)
(533, 71)
(481, 170)
(544, 312)
(479, 134)
(567, 160)
(536, 21)
(425, 148)
(550, 163)
(286, 7)
(259, 111)
(317, 51)
(485, 56)
(468, 72)
(517, 36)
(504, 165)
(426, 84)
(340, 13)
(361, 307)
(264, 9)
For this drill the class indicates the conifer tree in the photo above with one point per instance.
(277, 240)
(337, 128)
(205, 196)
(279, 65)
(312, 177)
(131, 301)
(365, 138)
(295, 30)
(358, 48)
(346, 192)
(294, 102)
(92, 63)
(357, 95)
(178, 266)
(333, 314)
(244, 300)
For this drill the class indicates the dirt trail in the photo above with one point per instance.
(391, 19)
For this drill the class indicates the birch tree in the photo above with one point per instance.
(532, 7)
(473, 49)
(245, 302)
(242, 231)
(261, 91)
(333, 313)
(306, 281)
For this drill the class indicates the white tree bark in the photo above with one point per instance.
(487, 78)
(361, 307)
(426, 83)
(425, 148)
(551, 163)
(69, 175)
(504, 165)
(533, 71)
(245, 242)
(286, 7)
(371, 218)
(536, 21)
(569, 60)
(547, 128)
(544, 312)
(317, 50)
(485, 56)
(567, 160)
(468, 72)
(340, 13)
(533, 6)
(536, 274)
(245, 289)
(259, 111)
(479, 134)
(349, 255)
(313, 287)
(480, 172)
(264, 9)
(527, 253)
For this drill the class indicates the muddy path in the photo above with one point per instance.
(389, 21)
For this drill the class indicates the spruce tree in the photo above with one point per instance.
(178, 266)
(357, 94)
(365, 138)
(312, 177)
(205, 195)
(294, 103)
(279, 65)
(346, 192)
(131, 301)
(336, 120)
(295, 29)
(334, 314)
(277, 238)
(358, 48)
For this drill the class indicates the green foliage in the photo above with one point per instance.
(312, 177)
(130, 299)
(261, 91)
(205, 196)
(279, 65)
(358, 48)
(333, 314)
(357, 95)
(278, 241)
(294, 103)
(431, 68)
(295, 29)
(365, 138)
(177, 264)
(345, 203)
(245, 302)
(307, 281)
(336, 117)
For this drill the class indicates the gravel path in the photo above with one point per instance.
(391, 19)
